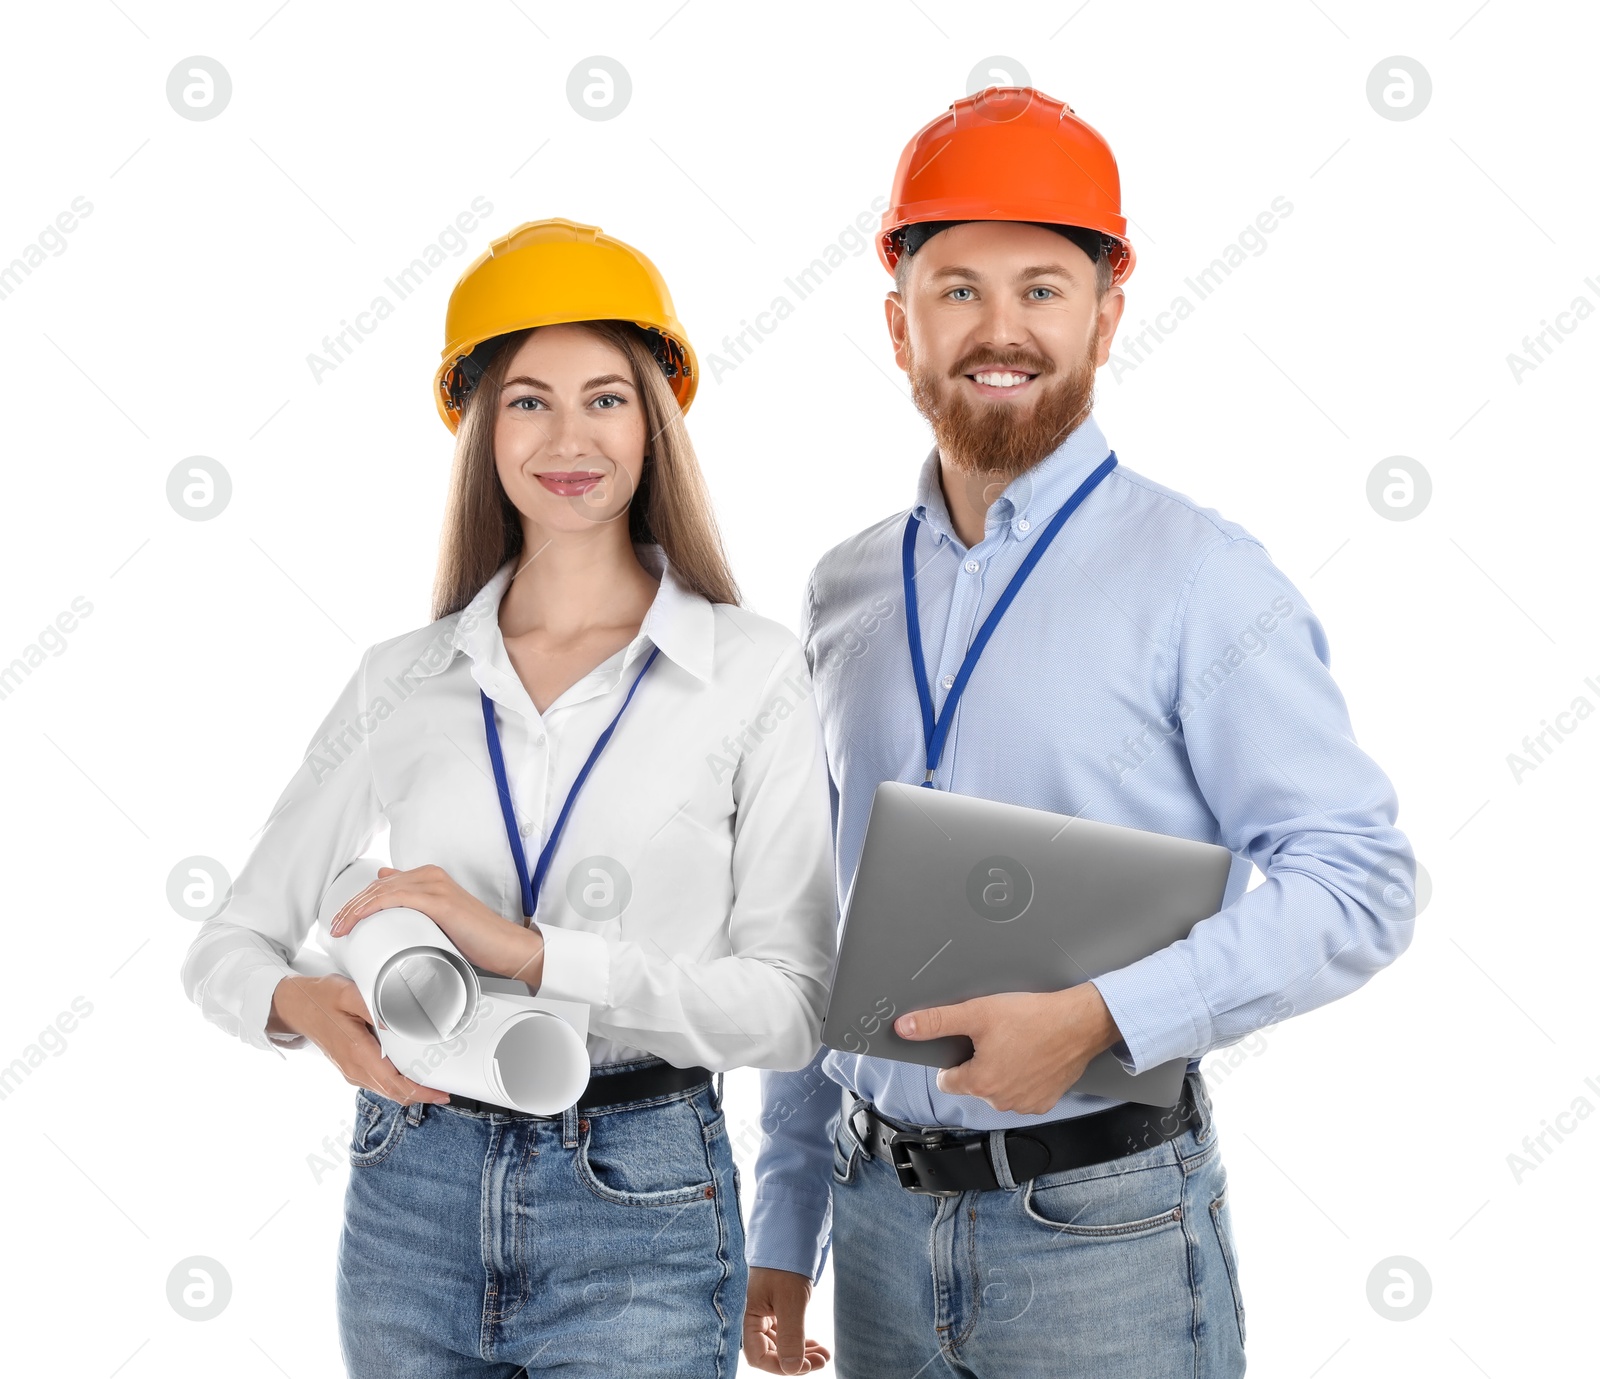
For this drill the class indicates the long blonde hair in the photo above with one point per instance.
(483, 529)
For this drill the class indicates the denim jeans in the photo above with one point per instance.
(486, 1245)
(1121, 1270)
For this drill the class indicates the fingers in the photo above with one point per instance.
(774, 1323)
(392, 888)
(355, 1051)
(379, 1074)
(761, 1352)
(935, 1021)
(791, 1335)
(360, 905)
(372, 1070)
(1002, 1084)
(401, 1088)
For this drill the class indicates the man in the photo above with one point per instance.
(1155, 670)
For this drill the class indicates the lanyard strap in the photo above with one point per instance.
(532, 886)
(936, 730)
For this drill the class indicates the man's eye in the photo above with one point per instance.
(1041, 294)
(955, 294)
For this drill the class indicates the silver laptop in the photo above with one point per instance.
(957, 897)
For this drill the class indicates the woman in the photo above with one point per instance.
(585, 617)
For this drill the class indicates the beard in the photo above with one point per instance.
(1000, 440)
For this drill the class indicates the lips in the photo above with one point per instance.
(569, 483)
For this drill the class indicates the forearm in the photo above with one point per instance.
(724, 1012)
(791, 1214)
(1290, 945)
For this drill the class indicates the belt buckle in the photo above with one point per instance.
(905, 1170)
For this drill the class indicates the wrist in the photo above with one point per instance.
(1102, 1026)
(275, 1020)
(523, 960)
(288, 1005)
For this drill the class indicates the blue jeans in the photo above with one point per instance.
(1121, 1270)
(486, 1245)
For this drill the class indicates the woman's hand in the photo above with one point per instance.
(330, 1013)
(484, 938)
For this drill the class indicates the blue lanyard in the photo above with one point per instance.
(936, 730)
(532, 886)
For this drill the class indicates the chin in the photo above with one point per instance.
(577, 514)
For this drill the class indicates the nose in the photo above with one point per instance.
(1002, 325)
(565, 434)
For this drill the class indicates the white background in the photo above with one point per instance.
(177, 321)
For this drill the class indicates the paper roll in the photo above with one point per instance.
(523, 1052)
(414, 982)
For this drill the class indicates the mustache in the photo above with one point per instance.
(987, 356)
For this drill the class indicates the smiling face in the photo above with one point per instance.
(569, 430)
(1000, 331)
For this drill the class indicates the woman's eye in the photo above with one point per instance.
(608, 402)
(534, 403)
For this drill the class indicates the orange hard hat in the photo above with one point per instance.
(1009, 153)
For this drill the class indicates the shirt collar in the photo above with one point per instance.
(1030, 499)
(679, 621)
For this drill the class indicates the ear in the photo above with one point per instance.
(1108, 316)
(894, 315)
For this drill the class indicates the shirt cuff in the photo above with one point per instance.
(788, 1230)
(256, 1005)
(1159, 1009)
(577, 966)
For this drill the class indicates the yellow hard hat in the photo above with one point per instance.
(551, 272)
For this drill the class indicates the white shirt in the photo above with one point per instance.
(690, 898)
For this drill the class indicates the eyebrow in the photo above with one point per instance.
(1039, 270)
(602, 380)
(1046, 270)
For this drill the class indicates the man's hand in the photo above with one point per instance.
(775, 1324)
(1027, 1049)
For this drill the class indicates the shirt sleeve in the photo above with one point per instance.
(325, 817)
(761, 1004)
(1270, 745)
(791, 1217)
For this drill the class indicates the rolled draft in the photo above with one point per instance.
(415, 983)
(441, 1022)
(512, 1053)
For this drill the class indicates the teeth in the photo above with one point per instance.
(1001, 380)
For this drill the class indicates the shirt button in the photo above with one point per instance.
(948, 681)
(1024, 525)
(525, 830)
(971, 567)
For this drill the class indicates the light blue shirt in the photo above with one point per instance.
(1156, 671)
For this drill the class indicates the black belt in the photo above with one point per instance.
(937, 1161)
(610, 1089)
